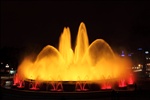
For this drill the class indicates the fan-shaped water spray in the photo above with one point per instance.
(85, 63)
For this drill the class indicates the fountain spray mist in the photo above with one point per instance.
(93, 63)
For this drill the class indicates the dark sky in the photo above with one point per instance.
(35, 23)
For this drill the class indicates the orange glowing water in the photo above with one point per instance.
(93, 62)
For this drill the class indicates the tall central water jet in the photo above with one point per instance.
(86, 62)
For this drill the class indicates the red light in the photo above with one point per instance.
(130, 79)
(34, 86)
(122, 83)
(16, 79)
(57, 86)
(80, 86)
(106, 85)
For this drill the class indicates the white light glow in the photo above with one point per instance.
(7, 66)
(146, 52)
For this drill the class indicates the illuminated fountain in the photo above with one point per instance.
(18, 81)
(122, 83)
(106, 83)
(131, 79)
(34, 85)
(86, 64)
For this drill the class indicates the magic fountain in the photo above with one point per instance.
(86, 64)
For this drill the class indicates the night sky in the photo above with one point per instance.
(35, 23)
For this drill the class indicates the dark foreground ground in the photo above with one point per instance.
(99, 95)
